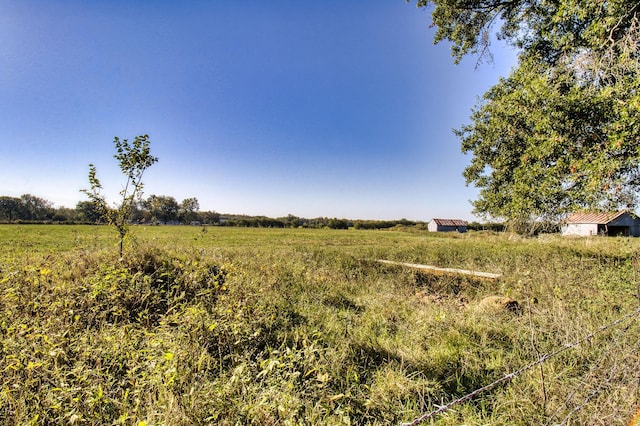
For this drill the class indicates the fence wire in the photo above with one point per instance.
(614, 355)
(542, 359)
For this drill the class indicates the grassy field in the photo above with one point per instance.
(269, 326)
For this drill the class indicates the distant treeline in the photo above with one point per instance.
(489, 226)
(162, 209)
(155, 209)
(291, 221)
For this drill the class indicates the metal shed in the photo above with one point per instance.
(447, 225)
(621, 223)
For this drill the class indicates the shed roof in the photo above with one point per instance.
(450, 222)
(600, 218)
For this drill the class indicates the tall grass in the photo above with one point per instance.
(260, 326)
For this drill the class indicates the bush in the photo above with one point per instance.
(90, 339)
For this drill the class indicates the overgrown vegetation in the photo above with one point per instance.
(296, 326)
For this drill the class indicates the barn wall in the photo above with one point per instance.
(624, 220)
(441, 228)
(580, 229)
(628, 220)
(447, 228)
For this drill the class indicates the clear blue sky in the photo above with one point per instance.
(333, 108)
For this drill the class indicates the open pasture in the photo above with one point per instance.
(295, 326)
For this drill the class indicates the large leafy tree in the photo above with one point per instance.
(27, 207)
(11, 208)
(189, 209)
(561, 131)
(162, 208)
(36, 208)
(87, 211)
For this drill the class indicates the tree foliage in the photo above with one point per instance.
(36, 208)
(10, 208)
(134, 158)
(560, 132)
(189, 209)
(161, 208)
(86, 211)
(26, 208)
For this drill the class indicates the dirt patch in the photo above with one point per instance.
(427, 298)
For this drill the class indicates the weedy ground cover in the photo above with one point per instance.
(266, 326)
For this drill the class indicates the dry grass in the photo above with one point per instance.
(259, 326)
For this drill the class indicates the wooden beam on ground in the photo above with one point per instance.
(446, 271)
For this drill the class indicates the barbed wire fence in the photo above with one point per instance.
(612, 355)
(614, 372)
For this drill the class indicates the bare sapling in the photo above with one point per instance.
(134, 158)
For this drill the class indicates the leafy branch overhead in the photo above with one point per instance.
(560, 132)
(134, 159)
